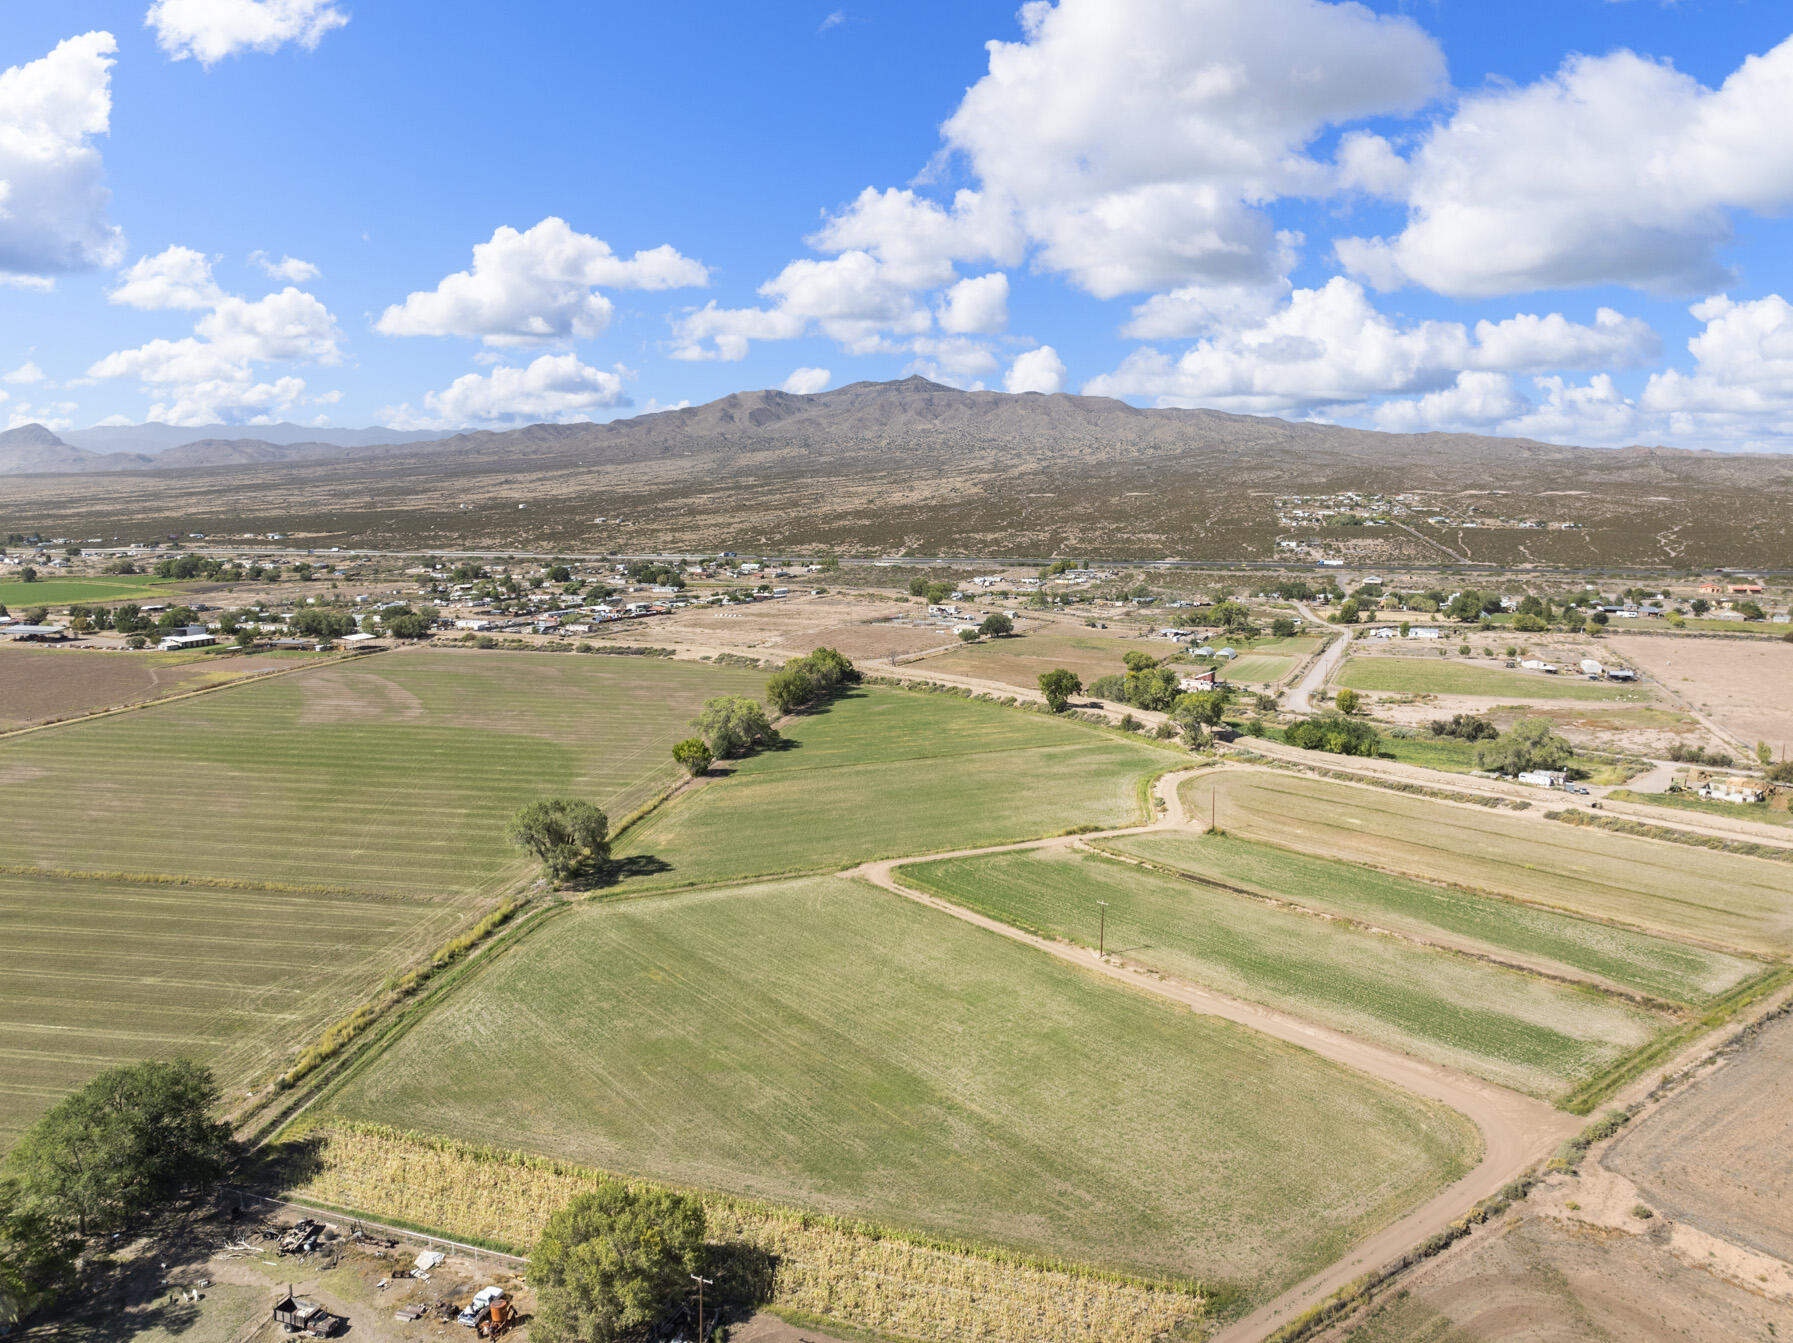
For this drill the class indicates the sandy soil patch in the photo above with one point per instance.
(1721, 1156)
(1621, 729)
(1742, 683)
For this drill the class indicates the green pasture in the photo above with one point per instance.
(884, 773)
(1559, 944)
(1513, 1028)
(112, 588)
(824, 1044)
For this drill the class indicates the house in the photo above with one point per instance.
(1384, 632)
(1422, 632)
(1545, 778)
(1206, 679)
(1746, 589)
(1734, 790)
(177, 643)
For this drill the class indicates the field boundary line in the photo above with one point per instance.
(116, 710)
(408, 1233)
(1516, 1130)
(1632, 996)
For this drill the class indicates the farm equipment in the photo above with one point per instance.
(302, 1237)
(296, 1315)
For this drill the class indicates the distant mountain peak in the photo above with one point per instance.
(31, 436)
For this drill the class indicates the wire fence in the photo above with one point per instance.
(479, 1253)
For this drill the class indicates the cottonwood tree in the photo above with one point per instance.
(568, 837)
(610, 1263)
(694, 754)
(1529, 744)
(1058, 686)
(734, 724)
(133, 1138)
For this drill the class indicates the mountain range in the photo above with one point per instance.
(32, 448)
(915, 467)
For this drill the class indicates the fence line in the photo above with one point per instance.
(478, 1252)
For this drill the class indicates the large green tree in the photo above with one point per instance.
(132, 1138)
(1058, 686)
(569, 837)
(1528, 744)
(611, 1262)
(734, 724)
(694, 754)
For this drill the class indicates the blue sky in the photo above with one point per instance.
(1500, 218)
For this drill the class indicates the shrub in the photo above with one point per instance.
(694, 754)
(1334, 733)
(1466, 726)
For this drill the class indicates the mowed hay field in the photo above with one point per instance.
(1256, 668)
(1558, 944)
(1440, 676)
(102, 973)
(394, 773)
(883, 773)
(1683, 891)
(825, 1044)
(1510, 1027)
(42, 684)
(225, 875)
(18, 596)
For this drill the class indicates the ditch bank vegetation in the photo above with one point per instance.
(817, 1265)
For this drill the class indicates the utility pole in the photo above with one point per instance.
(1102, 936)
(701, 1282)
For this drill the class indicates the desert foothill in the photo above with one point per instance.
(1178, 732)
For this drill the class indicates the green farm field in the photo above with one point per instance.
(884, 773)
(17, 596)
(104, 973)
(1439, 676)
(1558, 944)
(1256, 668)
(391, 774)
(225, 875)
(1698, 894)
(824, 1044)
(1510, 1027)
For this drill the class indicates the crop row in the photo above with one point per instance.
(818, 1265)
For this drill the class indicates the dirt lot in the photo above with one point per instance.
(1742, 683)
(39, 685)
(1721, 1156)
(862, 629)
(1623, 729)
(1542, 1280)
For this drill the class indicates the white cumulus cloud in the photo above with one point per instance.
(1475, 401)
(977, 305)
(1038, 370)
(1616, 169)
(807, 381)
(53, 199)
(210, 30)
(177, 277)
(24, 375)
(555, 388)
(288, 268)
(536, 287)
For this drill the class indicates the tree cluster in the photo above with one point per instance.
(734, 725)
(570, 838)
(1529, 744)
(611, 1262)
(1464, 727)
(1334, 733)
(804, 681)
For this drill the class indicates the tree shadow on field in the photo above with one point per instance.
(617, 871)
(743, 1275)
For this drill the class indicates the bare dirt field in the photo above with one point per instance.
(1624, 729)
(1543, 1280)
(1018, 661)
(862, 629)
(1741, 683)
(40, 685)
(1721, 1156)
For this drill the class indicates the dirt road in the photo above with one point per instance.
(1301, 694)
(1516, 1130)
